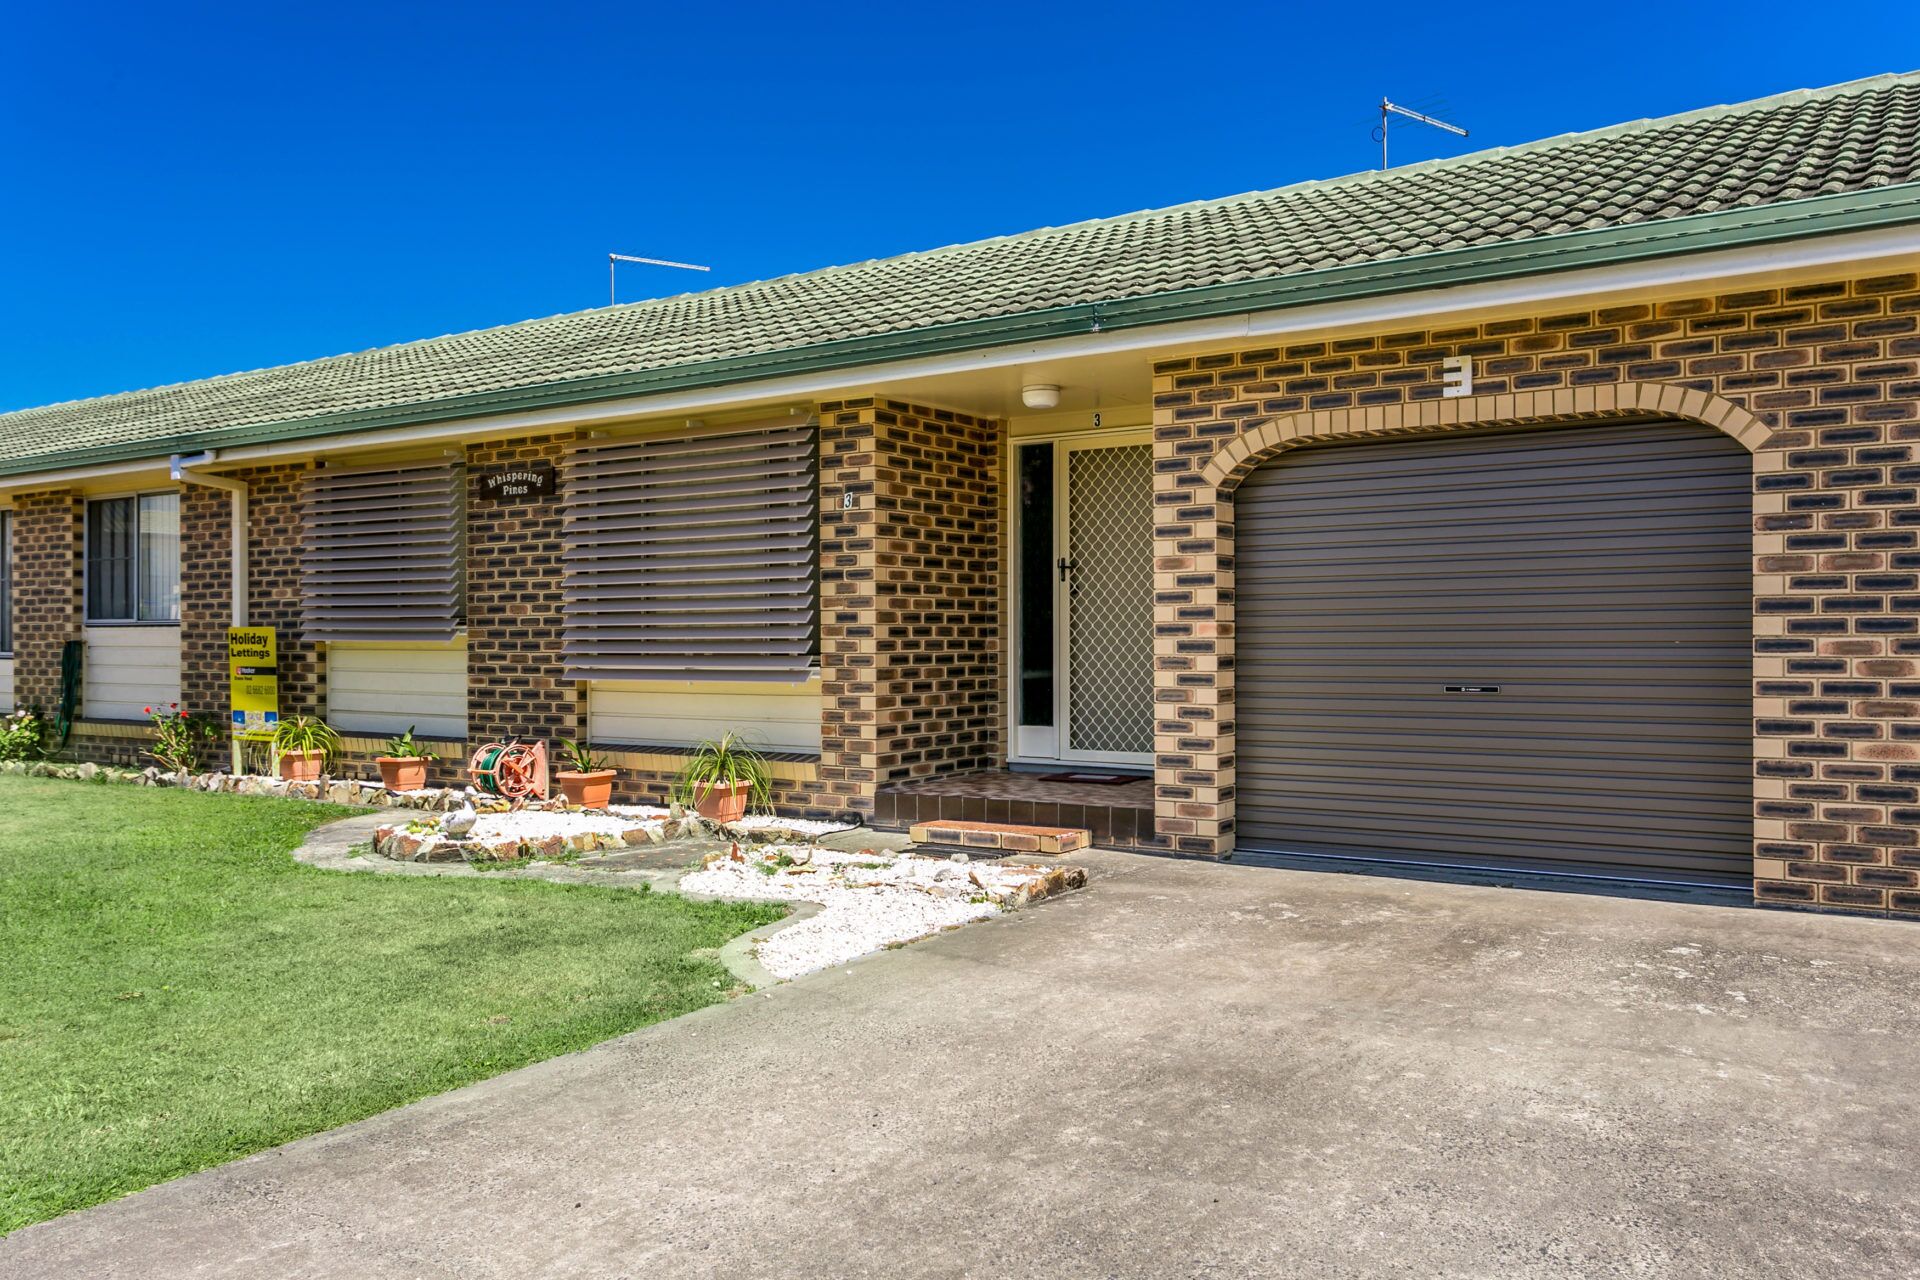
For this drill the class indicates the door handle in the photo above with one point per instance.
(1066, 567)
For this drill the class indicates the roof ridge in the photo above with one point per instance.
(1626, 128)
(1864, 84)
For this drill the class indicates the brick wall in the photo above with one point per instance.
(47, 540)
(911, 610)
(1822, 381)
(516, 678)
(273, 590)
(793, 797)
(206, 598)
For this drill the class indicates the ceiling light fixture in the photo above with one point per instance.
(1040, 395)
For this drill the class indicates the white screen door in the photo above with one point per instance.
(1106, 604)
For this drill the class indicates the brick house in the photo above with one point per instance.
(1554, 505)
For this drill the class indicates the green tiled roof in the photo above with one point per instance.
(1795, 164)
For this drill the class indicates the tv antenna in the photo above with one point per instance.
(1391, 109)
(615, 258)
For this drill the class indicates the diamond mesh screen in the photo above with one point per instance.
(1110, 618)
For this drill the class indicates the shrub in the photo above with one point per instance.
(304, 734)
(23, 735)
(581, 757)
(404, 747)
(179, 739)
(728, 762)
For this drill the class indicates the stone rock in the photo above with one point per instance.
(440, 849)
(403, 844)
(341, 793)
(460, 821)
(639, 835)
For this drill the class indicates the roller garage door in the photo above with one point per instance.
(1524, 646)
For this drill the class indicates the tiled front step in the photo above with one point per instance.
(1007, 836)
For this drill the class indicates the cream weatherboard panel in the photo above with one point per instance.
(385, 688)
(129, 669)
(772, 717)
(6, 684)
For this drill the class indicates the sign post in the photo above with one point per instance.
(253, 686)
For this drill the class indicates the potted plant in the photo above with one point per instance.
(587, 781)
(722, 779)
(404, 766)
(302, 746)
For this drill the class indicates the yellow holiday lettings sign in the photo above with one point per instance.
(253, 682)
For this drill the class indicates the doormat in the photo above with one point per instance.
(1094, 779)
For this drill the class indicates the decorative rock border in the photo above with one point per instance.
(348, 791)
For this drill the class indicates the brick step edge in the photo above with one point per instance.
(1009, 837)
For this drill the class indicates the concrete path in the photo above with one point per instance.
(1187, 1070)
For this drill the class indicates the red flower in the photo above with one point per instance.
(148, 710)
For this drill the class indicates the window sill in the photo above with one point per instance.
(128, 622)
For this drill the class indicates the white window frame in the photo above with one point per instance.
(86, 561)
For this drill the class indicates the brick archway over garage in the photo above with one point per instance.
(1195, 747)
(1236, 459)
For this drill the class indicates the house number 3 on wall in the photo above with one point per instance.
(846, 502)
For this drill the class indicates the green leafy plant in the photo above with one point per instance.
(404, 747)
(723, 764)
(180, 740)
(306, 734)
(581, 757)
(23, 735)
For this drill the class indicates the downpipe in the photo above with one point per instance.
(182, 466)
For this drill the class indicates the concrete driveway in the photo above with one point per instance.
(1187, 1070)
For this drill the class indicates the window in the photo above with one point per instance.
(694, 558)
(381, 555)
(133, 559)
(6, 582)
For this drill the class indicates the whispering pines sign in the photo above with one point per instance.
(519, 484)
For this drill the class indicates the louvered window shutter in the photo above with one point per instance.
(383, 552)
(694, 558)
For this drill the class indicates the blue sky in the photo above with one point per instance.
(195, 189)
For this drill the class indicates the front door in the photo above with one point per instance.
(1085, 609)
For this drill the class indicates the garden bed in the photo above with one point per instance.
(870, 898)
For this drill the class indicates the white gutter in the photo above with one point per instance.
(181, 466)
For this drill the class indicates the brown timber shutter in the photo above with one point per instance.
(694, 558)
(382, 553)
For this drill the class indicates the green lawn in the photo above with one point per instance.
(178, 991)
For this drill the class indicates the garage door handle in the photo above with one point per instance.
(1471, 688)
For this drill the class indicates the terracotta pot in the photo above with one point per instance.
(588, 790)
(302, 766)
(403, 773)
(724, 805)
